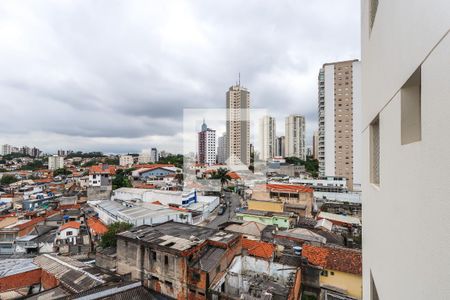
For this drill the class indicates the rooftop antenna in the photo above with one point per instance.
(239, 78)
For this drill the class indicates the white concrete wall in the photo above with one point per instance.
(406, 219)
(357, 126)
(329, 121)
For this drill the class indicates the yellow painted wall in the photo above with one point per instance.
(350, 282)
(265, 205)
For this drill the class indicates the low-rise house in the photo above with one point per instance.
(341, 269)
(251, 229)
(279, 219)
(176, 259)
(96, 228)
(155, 172)
(250, 277)
(15, 228)
(38, 241)
(283, 198)
(340, 220)
(300, 235)
(72, 238)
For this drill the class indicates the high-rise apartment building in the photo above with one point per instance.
(221, 148)
(238, 125)
(280, 146)
(406, 157)
(6, 149)
(206, 145)
(315, 145)
(126, 160)
(144, 157)
(154, 155)
(267, 137)
(55, 162)
(339, 148)
(295, 137)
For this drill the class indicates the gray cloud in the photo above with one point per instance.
(116, 75)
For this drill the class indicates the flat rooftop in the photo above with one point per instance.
(176, 236)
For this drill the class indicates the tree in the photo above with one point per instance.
(34, 165)
(222, 175)
(8, 179)
(311, 165)
(121, 179)
(176, 160)
(62, 171)
(109, 239)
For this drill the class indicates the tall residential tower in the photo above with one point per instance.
(267, 137)
(339, 145)
(207, 145)
(295, 137)
(238, 125)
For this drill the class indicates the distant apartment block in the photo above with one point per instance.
(144, 157)
(295, 137)
(280, 146)
(339, 144)
(406, 157)
(222, 149)
(126, 160)
(267, 137)
(154, 154)
(238, 125)
(55, 162)
(206, 145)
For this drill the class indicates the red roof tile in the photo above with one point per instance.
(233, 175)
(97, 226)
(339, 259)
(102, 169)
(287, 187)
(258, 248)
(71, 224)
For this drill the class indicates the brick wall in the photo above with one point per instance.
(20, 280)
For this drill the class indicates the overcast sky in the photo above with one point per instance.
(115, 76)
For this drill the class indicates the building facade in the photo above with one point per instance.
(55, 162)
(154, 155)
(206, 145)
(126, 160)
(405, 149)
(280, 146)
(221, 149)
(268, 137)
(238, 125)
(339, 148)
(295, 137)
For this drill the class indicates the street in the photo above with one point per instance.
(229, 212)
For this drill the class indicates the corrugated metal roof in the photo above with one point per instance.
(69, 272)
(10, 267)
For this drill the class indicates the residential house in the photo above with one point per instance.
(175, 259)
(280, 219)
(38, 241)
(341, 269)
(283, 197)
(72, 238)
(250, 277)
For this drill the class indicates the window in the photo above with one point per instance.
(166, 260)
(324, 273)
(411, 111)
(69, 233)
(372, 12)
(375, 151)
(169, 284)
(153, 254)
